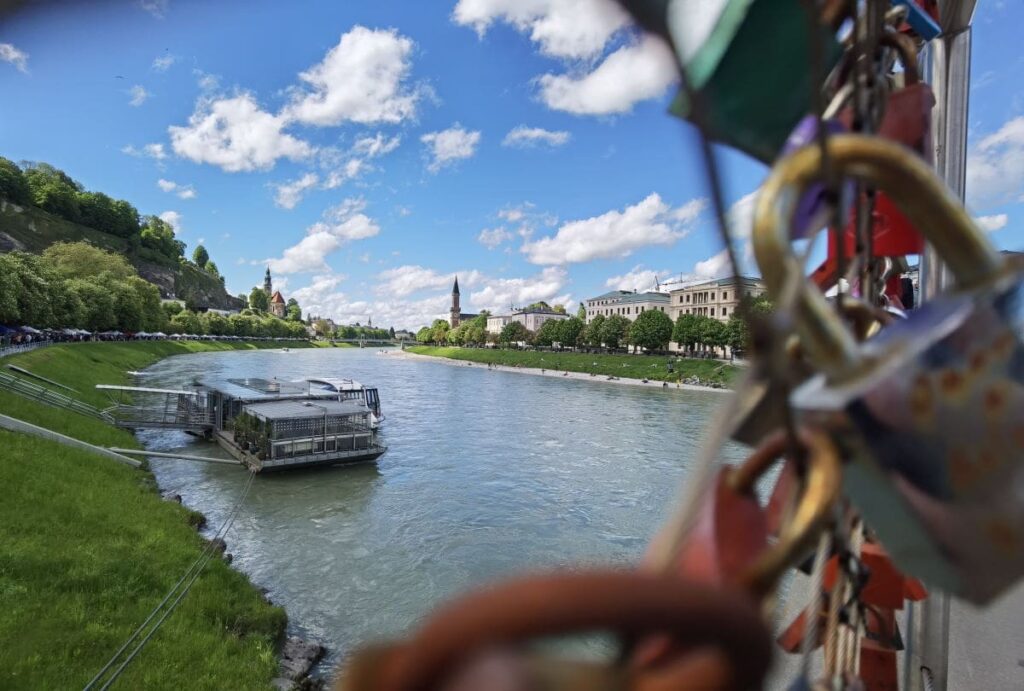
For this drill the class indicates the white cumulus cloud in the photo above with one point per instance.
(340, 225)
(631, 74)
(408, 279)
(375, 146)
(183, 191)
(164, 62)
(448, 146)
(362, 79)
(288, 194)
(575, 29)
(579, 32)
(995, 167)
(493, 237)
(637, 278)
(991, 224)
(138, 95)
(498, 294)
(237, 135)
(154, 151)
(157, 8)
(526, 137)
(615, 233)
(18, 58)
(173, 219)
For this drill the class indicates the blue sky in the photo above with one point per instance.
(370, 151)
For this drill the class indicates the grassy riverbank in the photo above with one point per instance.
(88, 548)
(652, 367)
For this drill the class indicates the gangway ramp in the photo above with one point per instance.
(42, 394)
(140, 407)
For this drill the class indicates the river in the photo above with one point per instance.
(487, 473)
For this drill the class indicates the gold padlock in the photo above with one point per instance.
(933, 405)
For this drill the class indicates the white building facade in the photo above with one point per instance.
(718, 298)
(532, 319)
(626, 303)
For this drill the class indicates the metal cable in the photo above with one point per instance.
(191, 574)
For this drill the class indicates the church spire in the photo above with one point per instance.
(267, 284)
(455, 314)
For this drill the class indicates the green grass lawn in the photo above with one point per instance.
(654, 367)
(88, 548)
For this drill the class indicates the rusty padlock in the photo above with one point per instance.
(907, 120)
(727, 543)
(477, 640)
(933, 406)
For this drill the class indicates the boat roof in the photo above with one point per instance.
(337, 384)
(146, 389)
(282, 410)
(257, 389)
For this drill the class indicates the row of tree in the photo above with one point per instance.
(75, 285)
(78, 286)
(248, 323)
(651, 330)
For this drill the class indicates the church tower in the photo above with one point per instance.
(268, 287)
(456, 311)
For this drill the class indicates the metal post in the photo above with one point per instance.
(947, 67)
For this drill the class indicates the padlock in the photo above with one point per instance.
(475, 641)
(907, 120)
(933, 406)
(922, 18)
(728, 542)
(747, 67)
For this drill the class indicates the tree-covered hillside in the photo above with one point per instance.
(41, 205)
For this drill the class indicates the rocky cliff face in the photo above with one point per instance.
(187, 282)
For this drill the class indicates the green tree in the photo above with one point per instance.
(581, 312)
(424, 335)
(212, 269)
(200, 256)
(457, 336)
(686, 332)
(614, 330)
(13, 185)
(592, 334)
(570, 332)
(187, 322)
(737, 334)
(157, 236)
(97, 211)
(651, 330)
(81, 260)
(53, 190)
(514, 332)
(558, 309)
(97, 304)
(548, 333)
(712, 332)
(439, 330)
(127, 223)
(259, 300)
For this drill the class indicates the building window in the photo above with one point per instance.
(687, 298)
(725, 311)
(712, 311)
(725, 295)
